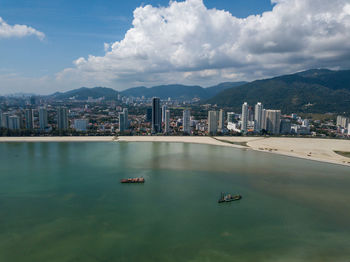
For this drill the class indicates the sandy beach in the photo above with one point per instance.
(307, 148)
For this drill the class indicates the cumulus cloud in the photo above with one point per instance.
(186, 42)
(7, 31)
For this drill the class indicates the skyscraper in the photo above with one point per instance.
(156, 116)
(5, 120)
(212, 122)
(167, 121)
(342, 121)
(221, 120)
(62, 118)
(14, 123)
(149, 114)
(230, 117)
(273, 121)
(126, 118)
(263, 119)
(164, 109)
(186, 122)
(29, 119)
(244, 118)
(43, 123)
(258, 116)
(122, 127)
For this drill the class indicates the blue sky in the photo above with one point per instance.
(78, 29)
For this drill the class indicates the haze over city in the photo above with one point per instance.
(49, 46)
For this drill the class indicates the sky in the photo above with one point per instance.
(49, 46)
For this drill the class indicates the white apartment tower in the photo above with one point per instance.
(186, 121)
(258, 114)
(29, 119)
(212, 122)
(221, 120)
(244, 118)
(126, 118)
(164, 109)
(273, 121)
(43, 123)
(62, 118)
(167, 122)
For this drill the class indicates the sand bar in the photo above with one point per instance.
(177, 139)
(306, 148)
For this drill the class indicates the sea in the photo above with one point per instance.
(63, 202)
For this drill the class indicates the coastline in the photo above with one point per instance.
(321, 150)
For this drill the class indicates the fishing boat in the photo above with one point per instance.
(137, 180)
(228, 198)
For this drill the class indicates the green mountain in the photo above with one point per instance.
(84, 93)
(316, 91)
(180, 92)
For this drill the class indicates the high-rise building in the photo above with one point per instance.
(62, 118)
(250, 114)
(342, 121)
(122, 127)
(286, 127)
(245, 117)
(258, 117)
(149, 115)
(29, 119)
(230, 117)
(167, 122)
(14, 123)
(186, 121)
(5, 120)
(164, 109)
(156, 116)
(221, 120)
(263, 119)
(81, 125)
(43, 123)
(126, 118)
(273, 121)
(212, 122)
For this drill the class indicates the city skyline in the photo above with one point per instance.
(280, 44)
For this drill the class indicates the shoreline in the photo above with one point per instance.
(321, 150)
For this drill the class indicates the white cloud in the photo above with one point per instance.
(188, 43)
(8, 31)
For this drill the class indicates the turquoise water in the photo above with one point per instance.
(63, 202)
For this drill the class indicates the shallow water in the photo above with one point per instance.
(63, 202)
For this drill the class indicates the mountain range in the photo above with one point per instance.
(316, 91)
(175, 92)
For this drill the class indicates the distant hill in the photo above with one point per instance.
(317, 91)
(84, 93)
(180, 92)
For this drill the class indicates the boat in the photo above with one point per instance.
(137, 180)
(228, 198)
